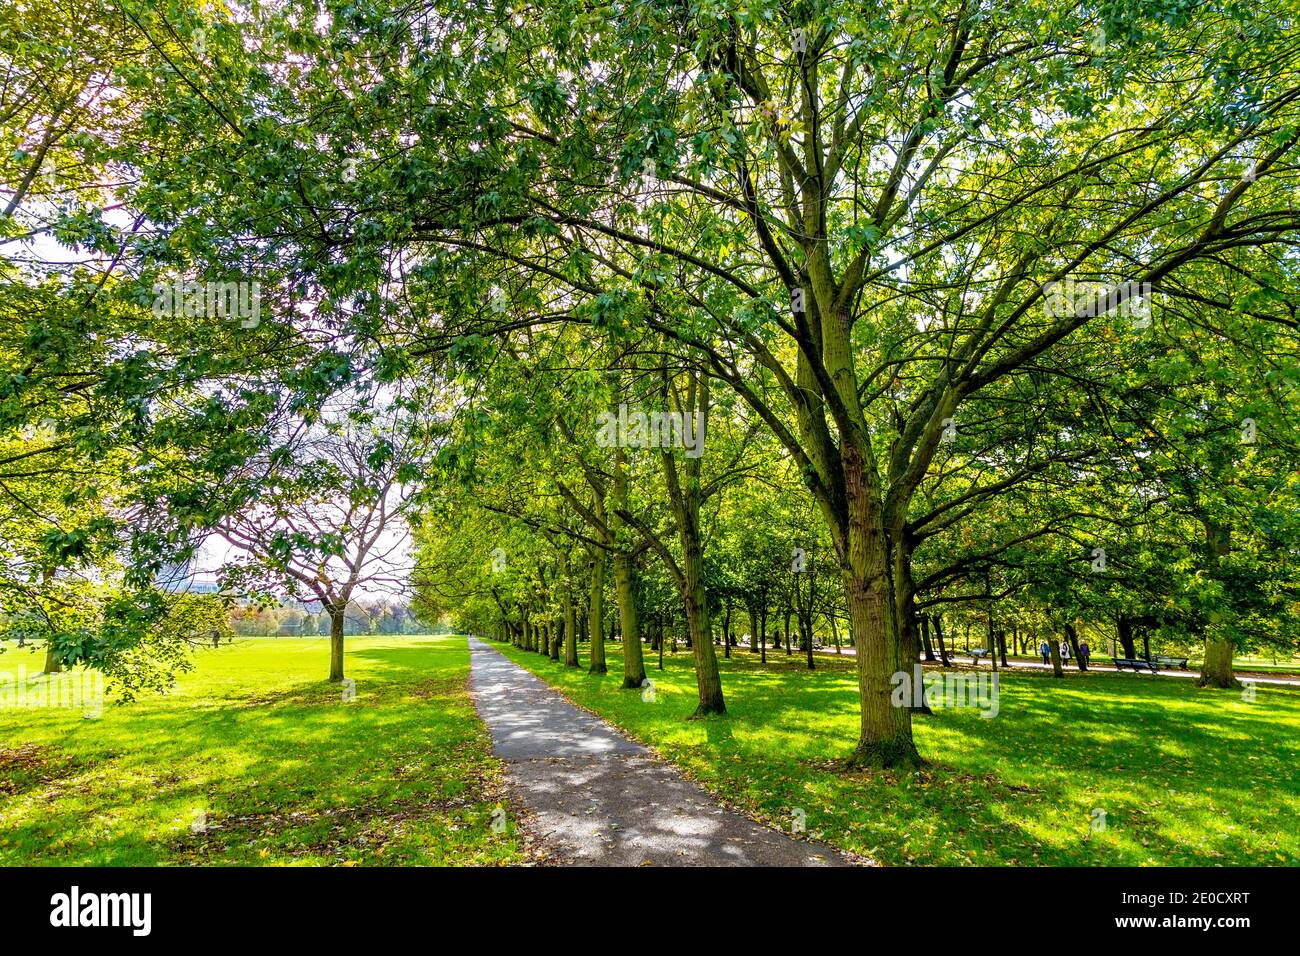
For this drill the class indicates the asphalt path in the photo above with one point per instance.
(592, 797)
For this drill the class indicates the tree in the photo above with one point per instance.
(335, 523)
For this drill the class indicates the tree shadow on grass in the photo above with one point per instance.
(297, 755)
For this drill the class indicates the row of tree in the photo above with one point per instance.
(366, 617)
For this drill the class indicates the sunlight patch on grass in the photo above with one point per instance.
(255, 759)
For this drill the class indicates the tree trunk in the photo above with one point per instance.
(633, 662)
(938, 636)
(803, 617)
(708, 680)
(1124, 627)
(52, 664)
(628, 625)
(905, 603)
(1073, 637)
(885, 737)
(1054, 646)
(596, 613)
(924, 621)
(1216, 669)
(753, 629)
(808, 644)
(909, 631)
(726, 630)
(336, 643)
(885, 734)
(570, 618)
(684, 496)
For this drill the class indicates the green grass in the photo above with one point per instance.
(1185, 776)
(281, 768)
(1265, 665)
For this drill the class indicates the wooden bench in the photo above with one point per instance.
(978, 655)
(1170, 662)
(1134, 664)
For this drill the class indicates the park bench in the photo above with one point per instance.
(1170, 662)
(978, 654)
(1133, 664)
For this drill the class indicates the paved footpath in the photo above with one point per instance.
(595, 798)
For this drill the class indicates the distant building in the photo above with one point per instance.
(179, 579)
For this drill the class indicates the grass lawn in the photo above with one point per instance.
(1184, 776)
(255, 744)
(1265, 665)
